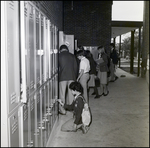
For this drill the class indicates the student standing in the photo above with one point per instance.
(102, 61)
(84, 75)
(93, 73)
(68, 72)
(113, 63)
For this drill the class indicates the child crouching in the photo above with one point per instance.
(75, 123)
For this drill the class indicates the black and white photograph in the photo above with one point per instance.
(74, 73)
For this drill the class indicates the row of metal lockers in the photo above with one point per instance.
(29, 63)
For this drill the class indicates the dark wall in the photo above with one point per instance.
(89, 21)
(53, 10)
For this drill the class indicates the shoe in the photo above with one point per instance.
(116, 78)
(85, 129)
(62, 113)
(93, 93)
(106, 94)
(97, 96)
(112, 81)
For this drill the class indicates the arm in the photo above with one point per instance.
(67, 107)
(81, 73)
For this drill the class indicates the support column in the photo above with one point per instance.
(119, 50)
(145, 49)
(139, 52)
(114, 41)
(132, 52)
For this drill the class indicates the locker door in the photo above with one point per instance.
(56, 71)
(42, 46)
(25, 124)
(32, 119)
(29, 62)
(39, 130)
(13, 129)
(44, 92)
(11, 74)
(31, 46)
(38, 51)
(38, 80)
(13, 54)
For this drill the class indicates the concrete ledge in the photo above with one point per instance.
(53, 132)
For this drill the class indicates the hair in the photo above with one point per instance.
(81, 47)
(88, 53)
(112, 44)
(100, 47)
(76, 86)
(80, 52)
(63, 47)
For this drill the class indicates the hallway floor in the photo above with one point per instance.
(120, 119)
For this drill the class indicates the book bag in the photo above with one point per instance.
(86, 113)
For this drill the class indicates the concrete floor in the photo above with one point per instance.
(120, 119)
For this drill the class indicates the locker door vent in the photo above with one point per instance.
(14, 126)
(25, 116)
(11, 5)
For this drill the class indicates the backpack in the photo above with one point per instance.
(86, 114)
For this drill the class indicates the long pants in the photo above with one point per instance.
(112, 71)
(84, 82)
(65, 93)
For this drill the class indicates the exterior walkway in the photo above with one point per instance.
(120, 119)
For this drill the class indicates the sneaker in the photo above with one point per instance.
(85, 129)
(93, 93)
(116, 78)
(97, 96)
(106, 94)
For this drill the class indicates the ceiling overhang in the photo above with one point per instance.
(121, 27)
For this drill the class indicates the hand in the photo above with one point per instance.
(59, 100)
(75, 127)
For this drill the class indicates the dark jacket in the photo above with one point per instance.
(103, 65)
(68, 68)
(76, 107)
(92, 65)
(114, 56)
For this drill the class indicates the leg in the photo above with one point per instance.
(101, 89)
(70, 95)
(83, 80)
(96, 91)
(62, 96)
(112, 71)
(68, 126)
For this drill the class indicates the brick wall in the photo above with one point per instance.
(89, 21)
(53, 10)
